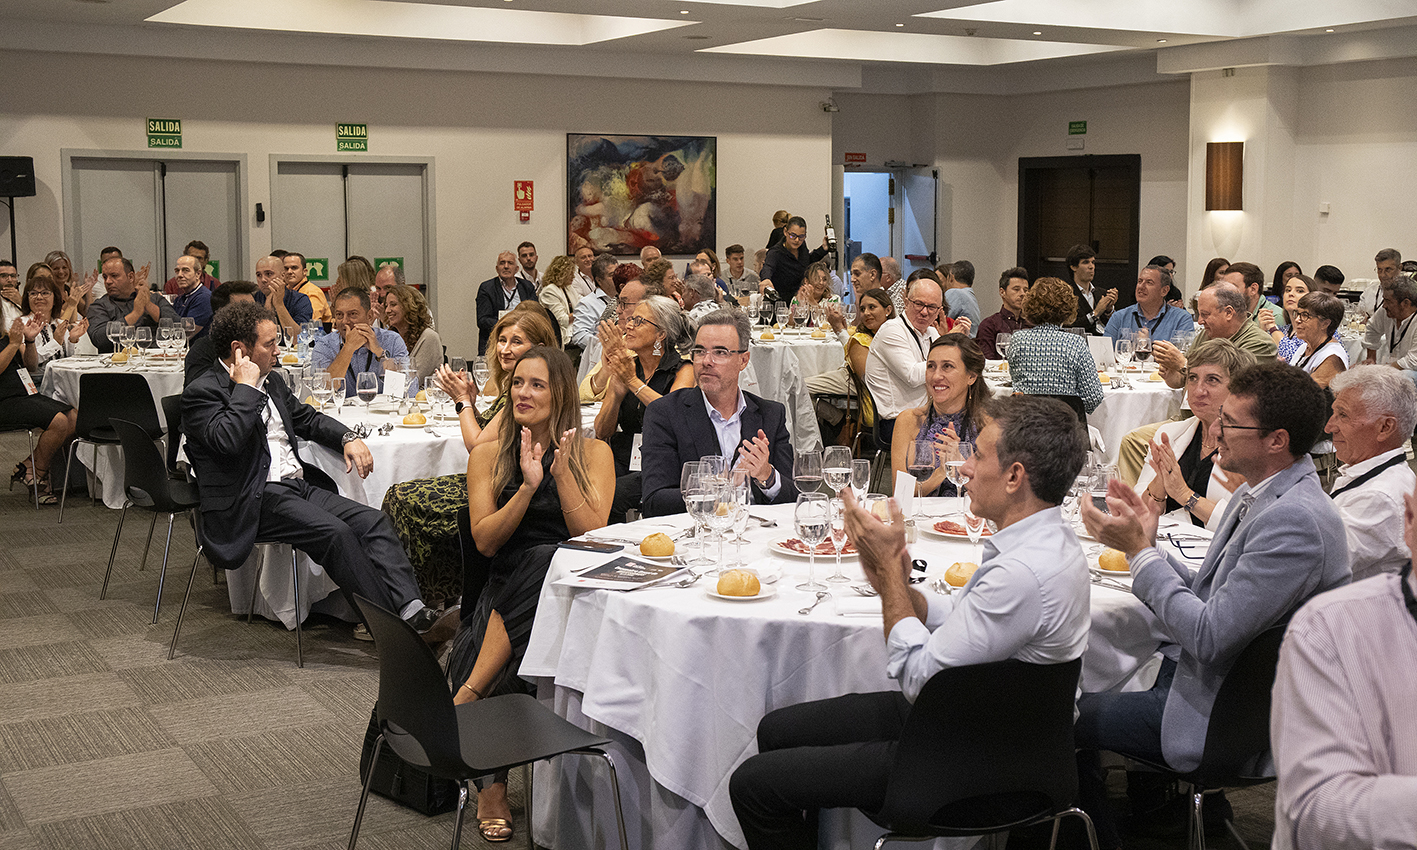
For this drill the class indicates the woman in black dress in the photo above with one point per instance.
(548, 484)
(22, 405)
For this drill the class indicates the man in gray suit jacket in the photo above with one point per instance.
(1280, 543)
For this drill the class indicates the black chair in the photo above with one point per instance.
(987, 748)
(172, 412)
(418, 720)
(1237, 737)
(147, 487)
(34, 488)
(123, 395)
(1071, 401)
(475, 565)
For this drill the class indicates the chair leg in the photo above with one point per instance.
(64, 496)
(256, 584)
(295, 582)
(177, 630)
(1235, 833)
(364, 795)
(463, 794)
(162, 573)
(114, 554)
(615, 790)
(1197, 826)
(152, 526)
(34, 488)
(1086, 820)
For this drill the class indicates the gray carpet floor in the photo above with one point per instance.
(104, 743)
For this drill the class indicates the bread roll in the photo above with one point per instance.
(119, 357)
(738, 583)
(422, 396)
(1154, 376)
(959, 572)
(819, 334)
(1113, 561)
(289, 358)
(415, 418)
(657, 546)
(1103, 377)
(768, 335)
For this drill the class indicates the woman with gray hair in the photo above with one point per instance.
(643, 364)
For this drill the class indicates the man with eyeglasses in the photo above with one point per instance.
(1279, 543)
(498, 295)
(716, 417)
(787, 262)
(895, 365)
(9, 293)
(1381, 327)
(593, 386)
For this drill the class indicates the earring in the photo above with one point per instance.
(658, 348)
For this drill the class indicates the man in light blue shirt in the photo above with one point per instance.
(593, 306)
(1028, 601)
(1151, 312)
(960, 300)
(358, 347)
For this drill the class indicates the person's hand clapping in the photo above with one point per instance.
(756, 457)
(621, 364)
(963, 325)
(78, 329)
(1266, 320)
(1168, 470)
(459, 386)
(1106, 301)
(881, 546)
(32, 328)
(17, 332)
(561, 460)
(1168, 356)
(1129, 527)
(531, 455)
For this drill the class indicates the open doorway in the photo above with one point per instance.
(891, 214)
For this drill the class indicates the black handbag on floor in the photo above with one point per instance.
(402, 782)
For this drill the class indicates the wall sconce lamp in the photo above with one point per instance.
(1224, 175)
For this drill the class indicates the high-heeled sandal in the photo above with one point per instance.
(495, 830)
(21, 475)
(45, 488)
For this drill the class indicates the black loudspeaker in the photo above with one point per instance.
(17, 177)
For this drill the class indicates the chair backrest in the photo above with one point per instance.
(118, 395)
(172, 412)
(144, 477)
(1238, 732)
(984, 745)
(415, 709)
(475, 565)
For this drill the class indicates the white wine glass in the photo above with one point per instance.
(812, 520)
(688, 477)
(954, 471)
(1001, 344)
(700, 500)
(973, 524)
(838, 537)
(860, 479)
(722, 514)
(743, 499)
(836, 468)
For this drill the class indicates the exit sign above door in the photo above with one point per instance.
(1077, 128)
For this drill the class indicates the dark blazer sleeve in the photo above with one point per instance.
(222, 423)
(660, 450)
(527, 291)
(486, 314)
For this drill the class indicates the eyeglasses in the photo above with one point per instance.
(790, 235)
(1303, 316)
(625, 304)
(715, 356)
(1232, 427)
(928, 309)
(639, 321)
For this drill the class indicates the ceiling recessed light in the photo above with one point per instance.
(684, 11)
(1328, 30)
(1161, 41)
(1038, 32)
(900, 25)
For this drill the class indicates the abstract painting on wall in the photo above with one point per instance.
(626, 192)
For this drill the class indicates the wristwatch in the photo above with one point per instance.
(1191, 502)
(348, 437)
(459, 407)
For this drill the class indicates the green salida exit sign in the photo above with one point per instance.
(1077, 128)
(351, 137)
(164, 133)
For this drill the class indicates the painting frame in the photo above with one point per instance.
(626, 192)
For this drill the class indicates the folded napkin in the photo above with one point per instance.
(858, 606)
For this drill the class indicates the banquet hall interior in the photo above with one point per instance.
(959, 105)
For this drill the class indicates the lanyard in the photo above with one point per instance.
(919, 341)
(1407, 590)
(1368, 476)
(1151, 324)
(1393, 341)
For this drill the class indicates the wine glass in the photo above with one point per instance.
(849, 316)
(322, 388)
(700, 500)
(753, 312)
(1141, 348)
(1101, 474)
(1124, 353)
(1001, 345)
(688, 474)
(807, 470)
(954, 470)
(973, 524)
(836, 468)
(838, 537)
(781, 311)
(189, 327)
(742, 499)
(722, 514)
(366, 384)
(715, 466)
(922, 461)
(799, 315)
(114, 332)
(812, 520)
(860, 479)
(337, 392)
(127, 336)
(481, 372)
(142, 341)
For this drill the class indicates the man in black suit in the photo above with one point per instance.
(241, 426)
(200, 354)
(716, 418)
(1094, 308)
(500, 294)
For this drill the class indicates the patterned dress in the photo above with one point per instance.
(935, 426)
(1047, 360)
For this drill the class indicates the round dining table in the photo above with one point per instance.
(678, 679)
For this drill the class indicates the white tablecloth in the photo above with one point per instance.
(777, 374)
(679, 680)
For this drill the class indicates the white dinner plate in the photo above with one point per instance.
(1123, 577)
(778, 548)
(765, 591)
(402, 425)
(929, 529)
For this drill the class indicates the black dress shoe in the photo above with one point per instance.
(423, 620)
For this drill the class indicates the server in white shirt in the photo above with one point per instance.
(1387, 263)
(895, 367)
(1374, 412)
(1027, 601)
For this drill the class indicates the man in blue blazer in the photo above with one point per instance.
(242, 425)
(1280, 542)
(498, 295)
(715, 418)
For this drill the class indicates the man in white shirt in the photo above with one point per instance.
(1027, 601)
(593, 306)
(526, 258)
(739, 277)
(1374, 412)
(582, 283)
(1397, 347)
(1387, 264)
(895, 366)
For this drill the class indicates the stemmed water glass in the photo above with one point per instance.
(1001, 344)
(836, 468)
(322, 388)
(954, 470)
(807, 470)
(973, 524)
(700, 501)
(742, 499)
(1124, 353)
(689, 475)
(723, 514)
(481, 372)
(127, 336)
(781, 311)
(812, 519)
(142, 339)
(838, 537)
(860, 479)
(848, 314)
(114, 332)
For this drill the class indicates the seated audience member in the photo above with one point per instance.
(1345, 747)
(894, 282)
(200, 354)
(523, 328)
(715, 417)
(1045, 359)
(241, 428)
(953, 412)
(815, 293)
(1173, 292)
(1388, 265)
(1213, 270)
(1179, 473)
(943, 323)
(406, 314)
(874, 310)
(197, 249)
(1249, 279)
(1093, 307)
(387, 277)
(547, 484)
(1027, 601)
(641, 364)
(1151, 313)
(1282, 274)
(1279, 543)
(9, 292)
(740, 279)
(1329, 279)
(582, 282)
(127, 299)
(290, 307)
(497, 295)
(1374, 412)
(632, 292)
(649, 254)
(297, 280)
(1399, 306)
(1294, 287)
(1013, 286)
(357, 346)
(76, 292)
(355, 274)
(701, 296)
(555, 292)
(786, 263)
(193, 300)
(706, 263)
(895, 363)
(40, 303)
(21, 408)
(592, 307)
(1317, 317)
(1221, 311)
(960, 301)
(867, 273)
(660, 278)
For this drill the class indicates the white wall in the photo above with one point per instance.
(774, 142)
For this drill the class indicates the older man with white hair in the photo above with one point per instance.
(1374, 412)
(895, 366)
(700, 297)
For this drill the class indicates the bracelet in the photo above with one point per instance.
(576, 508)
(1162, 498)
(475, 691)
(643, 386)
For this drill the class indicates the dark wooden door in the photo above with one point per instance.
(1093, 200)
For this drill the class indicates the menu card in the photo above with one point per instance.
(623, 573)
